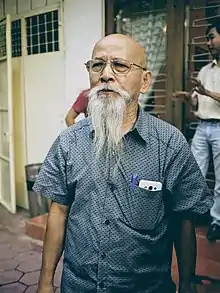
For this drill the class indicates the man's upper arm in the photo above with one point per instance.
(71, 116)
(200, 77)
(52, 180)
(188, 189)
(81, 103)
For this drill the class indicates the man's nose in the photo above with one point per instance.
(107, 74)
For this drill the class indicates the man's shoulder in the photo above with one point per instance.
(82, 127)
(165, 132)
(206, 67)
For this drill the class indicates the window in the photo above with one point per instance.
(16, 38)
(42, 33)
(2, 40)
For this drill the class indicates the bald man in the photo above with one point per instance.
(116, 179)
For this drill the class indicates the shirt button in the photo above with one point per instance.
(101, 285)
(103, 256)
(111, 186)
(107, 222)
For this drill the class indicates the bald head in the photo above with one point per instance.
(125, 46)
(125, 65)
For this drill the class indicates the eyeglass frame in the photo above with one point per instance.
(112, 66)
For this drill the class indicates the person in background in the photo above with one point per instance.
(124, 186)
(79, 106)
(205, 100)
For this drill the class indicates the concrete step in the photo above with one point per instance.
(208, 255)
(36, 227)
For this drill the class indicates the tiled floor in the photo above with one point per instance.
(20, 256)
(20, 259)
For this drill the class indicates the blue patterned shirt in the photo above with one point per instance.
(118, 237)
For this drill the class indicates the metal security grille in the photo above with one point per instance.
(146, 22)
(42, 33)
(2, 40)
(16, 38)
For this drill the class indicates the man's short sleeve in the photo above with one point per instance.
(81, 103)
(51, 181)
(185, 182)
(200, 78)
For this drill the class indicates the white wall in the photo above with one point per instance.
(44, 102)
(83, 27)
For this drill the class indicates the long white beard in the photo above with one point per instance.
(107, 115)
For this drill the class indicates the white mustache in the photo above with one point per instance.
(106, 87)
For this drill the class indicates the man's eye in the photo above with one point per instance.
(97, 65)
(210, 37)
(120, 66)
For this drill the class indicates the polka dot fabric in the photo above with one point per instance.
(117, 237)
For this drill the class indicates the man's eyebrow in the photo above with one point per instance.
(99, 58)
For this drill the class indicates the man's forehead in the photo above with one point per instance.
(118, 47)
(212, 32)
(111, 50)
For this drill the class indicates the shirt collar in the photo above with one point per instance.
(215, 63)
(140, 126)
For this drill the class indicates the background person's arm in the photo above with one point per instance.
(53, 245)
(213, 95)
(191, 97)
(188, 97)
(70, 117)
(200, 89)
(79, 106)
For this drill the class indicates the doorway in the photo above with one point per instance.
(7, 167)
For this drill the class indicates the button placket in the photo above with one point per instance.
(104, 246)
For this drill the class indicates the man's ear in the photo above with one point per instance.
(146, 81)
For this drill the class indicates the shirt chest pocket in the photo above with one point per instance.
(146, 208)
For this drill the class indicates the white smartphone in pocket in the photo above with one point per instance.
(150, 185)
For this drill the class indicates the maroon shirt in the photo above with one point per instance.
(81, 103)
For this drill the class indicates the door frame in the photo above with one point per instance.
(12, 206)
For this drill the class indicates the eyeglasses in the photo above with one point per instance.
(118, 66)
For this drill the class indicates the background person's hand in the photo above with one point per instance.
(199, 87)
(182, 95)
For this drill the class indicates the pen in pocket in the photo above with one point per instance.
(133, 181)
